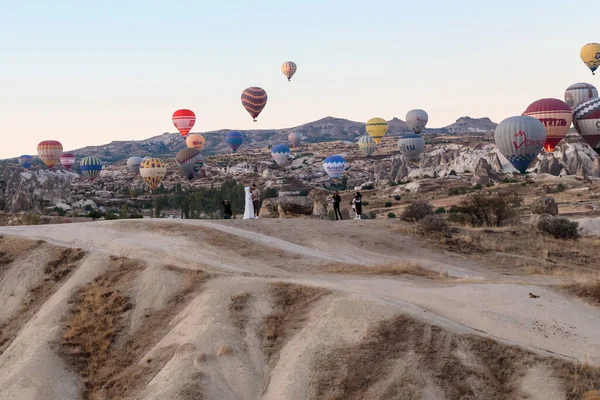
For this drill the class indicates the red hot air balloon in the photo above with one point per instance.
(254, 100)
(184, 121)
(67, 160)
(556, 115)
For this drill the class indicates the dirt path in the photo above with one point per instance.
(485, 302)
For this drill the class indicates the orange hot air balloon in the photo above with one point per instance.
(556, 115)
(195, 141)
(49, 152)
(184, 121)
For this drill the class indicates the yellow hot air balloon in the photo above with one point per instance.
(153, 170)
(590, 55)
(377, 128)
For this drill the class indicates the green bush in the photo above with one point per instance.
(60, 211)
(559, 227)
(94, 214)
(440, 210)
(368, 187)
(417, 210)
(388, 204)
(269, 193)
(489, 184)
(478, 187)
(457, 191)
(110, 216)
(397, 197)
(391, 215)
(459, 218)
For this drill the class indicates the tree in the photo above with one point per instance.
(123, 213)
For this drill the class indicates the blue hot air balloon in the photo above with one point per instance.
(26, 161)
(334, 166)
(280, 154)
(90, 167)
(234, 139)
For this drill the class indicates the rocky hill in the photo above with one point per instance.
(327, 129)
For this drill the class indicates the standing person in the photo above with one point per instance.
(227, 213)
(248, 207)
(358, 205)
(255, 199)
(336, 200)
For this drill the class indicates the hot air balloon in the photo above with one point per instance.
(254, 100)
(377, 128)
(153, 170)
(590, 55)
(556, 115)
(280, 154)
(234, 139)
(520, 139)
(334, 166)
(586, 118)
(133, 164)
(578, 93)
(367, 145)
(195, 141)
(90, 167)
(411, 146)
(289, 69)
(146, 158)
(189, 162)
(295, 139)
(50, 152)
(184, 121)
(67, 160)
(26, 161)
(417, 120)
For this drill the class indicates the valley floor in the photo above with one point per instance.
(279, 309)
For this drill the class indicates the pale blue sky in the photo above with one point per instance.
(87, 73)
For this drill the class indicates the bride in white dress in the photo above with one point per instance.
(249, 208)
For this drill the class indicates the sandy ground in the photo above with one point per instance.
(246, 257)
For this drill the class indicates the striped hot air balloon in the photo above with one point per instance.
(90, 167)
(334, 166)
(520, 139)
(377, 128)
(295, 139)
(280, 154)
(367, 145)
(189, 162)
(586, 118)
(590, 55)
(556, 115)
(184, 121)
(234, 140)
(153, 171)
(417, 120)
(195, 141)
(133, 164)
(67, 160)
(578, 93)
(288, 69)
(411, 146)
(49, 152)
(26, 161)
(254, 100)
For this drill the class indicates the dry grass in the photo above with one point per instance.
(97, 343)
(63, 262)
(291, 305)
(237, 309)
(400, 357)
(387, 269)
(589, 290)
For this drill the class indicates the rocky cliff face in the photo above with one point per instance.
(39, 189)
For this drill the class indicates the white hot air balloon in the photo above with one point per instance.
(411, 146)
(579, 93)
(334, 166)
(281, 154)
(417, 120)
(133, 164)
(520, 139)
